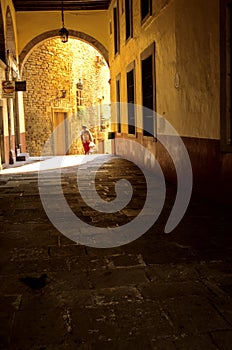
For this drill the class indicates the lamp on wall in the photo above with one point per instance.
(63, 93)
(63, 31)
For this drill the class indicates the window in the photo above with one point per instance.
(128, 14)
(79, 98)
(118, 93)
(79, 93)
(116, 29)
(131, 101)
(148, 90)
(146, 9)
(226, 71)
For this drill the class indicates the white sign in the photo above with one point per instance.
(8, 89)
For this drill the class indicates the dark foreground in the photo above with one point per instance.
(163, 292)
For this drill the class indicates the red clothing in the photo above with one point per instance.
(86, 146)
(86, 138)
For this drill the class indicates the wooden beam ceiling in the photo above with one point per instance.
(56, 5)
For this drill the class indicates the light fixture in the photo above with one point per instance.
(63, 31)
(63, 93)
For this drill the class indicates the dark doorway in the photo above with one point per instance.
(148, 96)
(118, 93)
(131, 101)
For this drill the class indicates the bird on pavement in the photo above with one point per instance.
(35, 283)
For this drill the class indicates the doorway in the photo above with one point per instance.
(60, 133)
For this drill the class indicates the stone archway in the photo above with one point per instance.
(2, 39)
(76, 69)
(10, 35)
(54, 33)
(3, 155)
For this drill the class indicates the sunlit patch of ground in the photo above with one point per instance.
(48, 163)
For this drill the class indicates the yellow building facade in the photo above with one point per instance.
(186, 79)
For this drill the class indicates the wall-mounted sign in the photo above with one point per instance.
(20, 85)
(8, 89)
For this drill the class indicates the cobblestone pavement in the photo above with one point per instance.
(160, 291)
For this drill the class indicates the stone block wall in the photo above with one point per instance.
(51, 67)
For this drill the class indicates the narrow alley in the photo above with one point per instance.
(115, 175)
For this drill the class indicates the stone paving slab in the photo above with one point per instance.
(191, 315)
(136, 343)
(199, 341)
(9, 305)
(118, 277)
(159, 290)
(38, 319)
(172, 272)
(223, 339)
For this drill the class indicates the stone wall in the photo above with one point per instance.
(52, 67)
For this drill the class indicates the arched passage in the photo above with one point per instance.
(3, 119)
(54, 72)
(11, 118)
(2, 38)
(54, 33)
(10, 36)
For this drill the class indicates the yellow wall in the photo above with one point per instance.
(187, 55)
(32, 24)
(186, 34)
(197, 62)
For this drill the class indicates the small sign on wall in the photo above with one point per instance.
(20, 85)
(8, 89)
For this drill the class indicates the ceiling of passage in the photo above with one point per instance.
(54, 5)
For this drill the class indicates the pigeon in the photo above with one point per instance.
(35, 283)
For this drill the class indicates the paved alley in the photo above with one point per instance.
(159, 292)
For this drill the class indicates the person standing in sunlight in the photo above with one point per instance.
(86, 138)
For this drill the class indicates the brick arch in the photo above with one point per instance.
(54, 33)
(2, 39)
